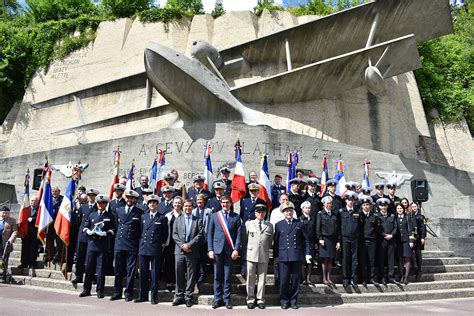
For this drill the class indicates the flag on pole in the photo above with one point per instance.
(161, 171)
(365, 177)
(208, 175)
(40, 197)
(238, 182)
(115, 180)
(25, 210)
(339, 176)
(324, 174)
(45, 209)
(265, 184)
(292, 159)
(62, 224)
(131, 178)
(153, 175)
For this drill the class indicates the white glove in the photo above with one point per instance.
(30, 219)
(308, 258)
(103, 234)
(89, 232)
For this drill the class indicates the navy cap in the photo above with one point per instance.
(379, 185)
(351, 195)
(351, 185)
(366, 190)
(332, 182)
(365, 199)
(383, 201)
(313, 181)
(326, 199)
(391, 185)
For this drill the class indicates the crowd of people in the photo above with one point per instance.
(185, 236)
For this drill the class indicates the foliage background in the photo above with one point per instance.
(52, 29)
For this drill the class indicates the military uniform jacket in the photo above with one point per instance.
(216, 239)
(228, 184)
(192, 192)
(115, 204)
(387, 225)
(369, 225)
(154, 234)
(327, 225)
(291, 242)
(96, 242)
(296, 199)
(277, 190)
(247, 208)
(316, 204)
(375, 197)
(256, 242)
(405, 228)
(84, 211)
(214, 204)
(163, 208)
(128, 228)
(337, 202)
(194, 237)
(350, 223)
(420, 225)
(310, 225)
(392, 207)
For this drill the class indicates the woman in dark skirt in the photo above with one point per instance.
(404, 243)
(327, 232)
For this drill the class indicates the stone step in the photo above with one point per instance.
(366, 294)
(437, 254)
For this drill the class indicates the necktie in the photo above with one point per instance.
(289, 223)
(260, 225)
(152, 216)
(127, 210)
(253, 201)
(226, 215)
(188, 227)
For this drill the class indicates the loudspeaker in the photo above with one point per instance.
(37, 178)
(419, 190)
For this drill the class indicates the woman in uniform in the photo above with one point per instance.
(309, 222)
(404, 243)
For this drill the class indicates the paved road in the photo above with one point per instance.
(27, 300)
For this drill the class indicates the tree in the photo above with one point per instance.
(313, 7)
(124, 8)
(218, 9)
(9, 8)
(47, 10)
(266, 4)
(191, 6)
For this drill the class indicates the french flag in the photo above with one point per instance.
(339, 176)
(324, 174)
(131, 178)
(265, 184)
(161, 171)
(153, 175)
(62, 224)
(45, 209)
(292, 162)
(365, 177)
(116, 173)
(25, 211)
(238, 181)
(208, 175)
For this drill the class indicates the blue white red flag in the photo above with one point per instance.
(161, 171)
(116, 172)
(153, 176)
(265, 184)
(238, 181)
(365, 177)
(208, 175)
(62, 224)
(324, 174)
(339, 176)
(131, 178)
(292, 159)
(25, 211)
(45, 209)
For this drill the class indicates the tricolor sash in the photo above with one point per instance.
(225, 228)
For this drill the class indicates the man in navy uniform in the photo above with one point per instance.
(154, 228)
(118, 201)
(127, 221)
(247, 213)
(225, 173)
(223, 244)
(219, 191)
(277, 189)
(368, 241)
(98, 226)
(146, 192)
(350, 233)
(312, 196)
(166, 204)
(291, 248)
(337, 201)
(388, 229)
(82, 239)
(394, 200)
(294, 195)
(198, 188)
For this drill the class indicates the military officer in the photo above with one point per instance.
(146, 192)
(170, 181)
(420, 224)
(309, 222)
(118, 201)
(294, 196)
(198, 187)
(312, 196)
(154, 233)
(404, 243)
(337, 202)
(379, 193)
(394, 200)
(292, 247)
(388, 229)
(368, 241)
(350, 233)
(215, 203)
(225, 173)
(257, 239)
(277, 189)
(139, 190)
(166, 204)
(98, 226)
(82, 239)
(126, 245)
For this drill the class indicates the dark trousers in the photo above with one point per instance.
(222, 275)
(367, 252)
(29, 250)
(349, 258)
(109, 259)
(81, 255)
(386, 256)
(125, 265)
(50, 243)
(203, 262)
(150, 268)
(168, 264)
(95, 263)
(71, 250)
(185, 267)
(290, 274)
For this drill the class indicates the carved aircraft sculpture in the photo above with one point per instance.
(320, 59)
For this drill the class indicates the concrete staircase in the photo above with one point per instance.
(444, 276)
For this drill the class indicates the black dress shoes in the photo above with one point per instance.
(140, 300)
(294, 306)
(374, 282)
(189, 303)
(177, 302)
(76, 280)
(284, 306)
(250, 305)
(154, 301)
(354, 284)
(84, 294)
(100, 295)
(115, 298)
(217, 304)
(261, 306)
(128, 299)
(228, 305)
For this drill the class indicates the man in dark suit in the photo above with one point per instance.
(204, 213)
(29, 244)
(291, 247)
(98, 226)
(82, 239)
(154, 230)
(166, 204)
(198, 188)
(127, 221)
(223, 244)
(187, 234)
